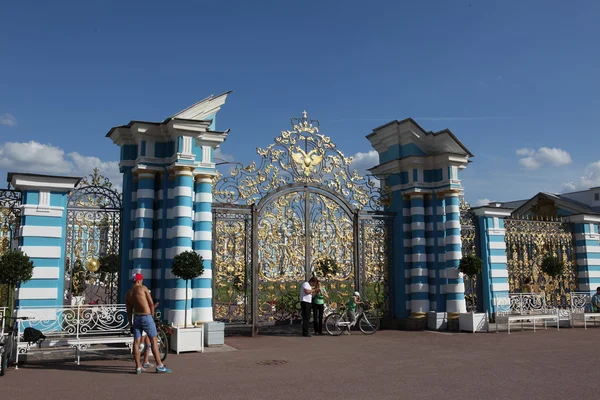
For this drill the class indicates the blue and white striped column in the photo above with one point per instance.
(143, 235)
(133, 220)
(407, 235)
(158, 274)
(455, 288)
(419, 276)
(430, 234)
(202, 287)
(587, 248)
(167, 244)
(440, 253)
(492, 243)
(181, 234)
(42, 236)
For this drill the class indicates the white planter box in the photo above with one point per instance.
(473, 322)
(188, 339)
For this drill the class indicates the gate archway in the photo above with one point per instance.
(273, 223)
(94, 212)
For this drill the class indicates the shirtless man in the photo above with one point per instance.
(140, 306)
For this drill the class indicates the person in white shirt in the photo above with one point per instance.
(306, 292)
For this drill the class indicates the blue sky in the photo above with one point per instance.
(516, 81)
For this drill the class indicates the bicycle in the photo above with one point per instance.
(8, 346)
(161, 340)
(336, 323)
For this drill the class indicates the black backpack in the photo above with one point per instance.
(33, 336)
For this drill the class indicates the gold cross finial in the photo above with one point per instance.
(304, 114)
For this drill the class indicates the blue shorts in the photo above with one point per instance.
(143, 323)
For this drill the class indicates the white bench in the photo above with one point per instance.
(76, 327)
(525, 307)
(581, 308)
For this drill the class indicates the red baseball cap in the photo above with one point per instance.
(138, 277)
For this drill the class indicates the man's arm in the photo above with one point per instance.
(149, 299)
(129, 308)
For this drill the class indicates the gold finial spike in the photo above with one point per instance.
(304, 114)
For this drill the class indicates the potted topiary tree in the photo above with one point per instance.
(110, 264)
(187, 266)
(15, 268)
(553, 267)
(78, 284)
(471, 266)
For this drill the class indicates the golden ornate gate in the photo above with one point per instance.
(468, 236)
(275, 221)
(528, 241)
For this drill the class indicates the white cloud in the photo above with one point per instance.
(533, 159)
(589, 179)
(7, 119)
(482, 202)
(219, 156)
(363, 161)
(48, 159)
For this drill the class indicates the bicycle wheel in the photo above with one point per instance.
(6, 354)
(369, 323)
(163, 344)
(3, 363)
(332, 324)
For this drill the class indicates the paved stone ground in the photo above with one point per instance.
(547, 364)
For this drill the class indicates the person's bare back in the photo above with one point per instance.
(139, 300)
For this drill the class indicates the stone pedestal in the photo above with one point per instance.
(214, 334)
(437, 321)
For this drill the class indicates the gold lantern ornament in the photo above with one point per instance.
(92, 264)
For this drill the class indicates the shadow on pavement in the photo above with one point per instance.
(101, 369)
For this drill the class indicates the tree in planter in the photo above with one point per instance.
(553, 267)
(15, 268)
(110, 264)
(187, 265)
(78, 284)
(471, 266)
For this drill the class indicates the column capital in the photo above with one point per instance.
(203, 178)
(181, 171)
(450, 193)
(413, 195)
(144, 174)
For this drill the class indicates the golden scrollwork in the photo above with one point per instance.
(231, 277)
(93, 230)
(376, 251)
(528, 241)
(311, 203)
(468, 237)
(301, 155)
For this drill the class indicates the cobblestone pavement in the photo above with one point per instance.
(547, 364)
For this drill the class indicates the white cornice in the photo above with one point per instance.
(430, 186)
(423, 162)
(583, 218)
(492, 212)
(41, 182)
